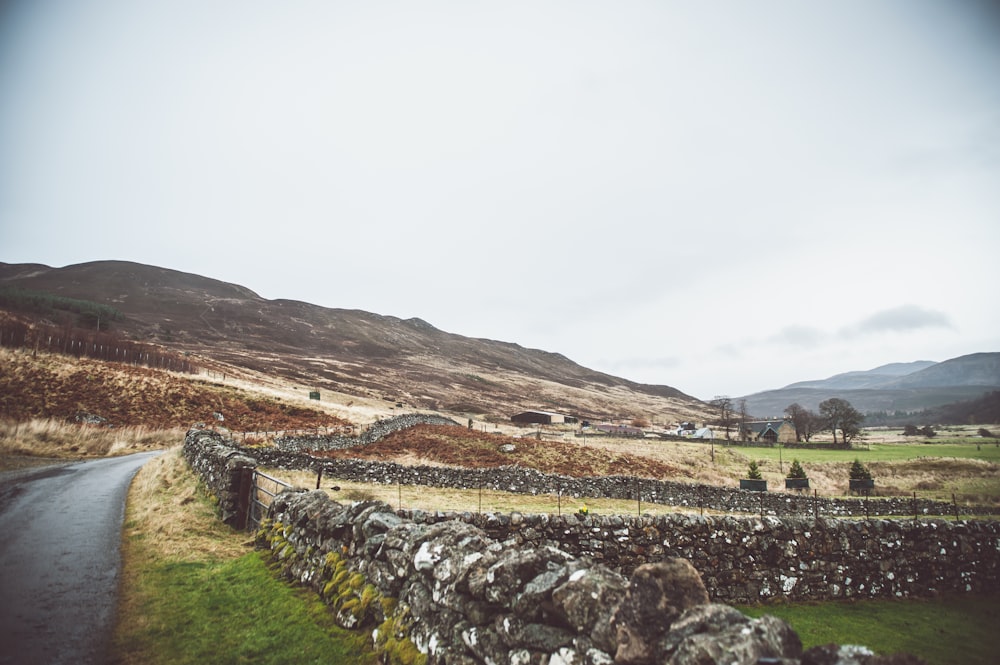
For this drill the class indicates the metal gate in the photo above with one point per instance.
(263, 489)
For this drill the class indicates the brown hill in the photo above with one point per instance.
(351, 352)
(55, 386)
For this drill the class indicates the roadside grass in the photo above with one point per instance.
(193, 590)
(943, 631)
(48, 439)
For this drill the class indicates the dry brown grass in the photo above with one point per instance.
(20, 443)
(458, 446)
(171, 518)
(449, 499)
(51, 386)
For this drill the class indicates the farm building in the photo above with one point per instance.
(542, 418)
(774, 431)
(691, 431)
(621, 430)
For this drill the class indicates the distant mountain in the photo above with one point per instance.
(903, 387)
(349, 351)
(873, 378)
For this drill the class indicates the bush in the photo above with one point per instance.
(859, 472)
(985, 433)
(753, 473)
(796, 470)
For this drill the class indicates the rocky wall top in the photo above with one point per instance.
(376, 431)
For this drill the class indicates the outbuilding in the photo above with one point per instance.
(542, 418)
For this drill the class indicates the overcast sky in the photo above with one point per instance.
(724, 197)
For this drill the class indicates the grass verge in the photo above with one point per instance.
(193, 591)
(942, 631)
(43, 440)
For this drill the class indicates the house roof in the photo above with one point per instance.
(761, 426)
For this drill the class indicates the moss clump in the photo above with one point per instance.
(392, 641)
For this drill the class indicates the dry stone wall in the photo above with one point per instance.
(376, 431)
(741, 559)
(223, 469)
(448, 593)
(529, 481)
(464, 589)
(746, 560)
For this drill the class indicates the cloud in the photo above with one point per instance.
(905, 318)
(804, 336)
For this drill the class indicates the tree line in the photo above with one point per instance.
(89, 314)
(70, 340)
(835, 415)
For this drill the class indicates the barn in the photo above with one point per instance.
(542, 418)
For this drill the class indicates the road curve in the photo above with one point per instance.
(60, 532)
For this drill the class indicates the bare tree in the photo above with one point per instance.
(744, 419)
(805, 421)
(725, 406)
(839, 414)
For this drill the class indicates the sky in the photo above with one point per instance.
(724, 197)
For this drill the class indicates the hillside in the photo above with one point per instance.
(63, 388)
(406, 362)
(900, 387)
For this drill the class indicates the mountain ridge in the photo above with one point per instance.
(408, 361)
(890, 388)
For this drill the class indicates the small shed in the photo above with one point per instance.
(703, 433)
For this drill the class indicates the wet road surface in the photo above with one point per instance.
(60, 532)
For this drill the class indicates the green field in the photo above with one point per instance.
(877, 452)
(944, 631)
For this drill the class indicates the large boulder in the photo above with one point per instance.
(658, 593)
(720, 634)
(588, 600)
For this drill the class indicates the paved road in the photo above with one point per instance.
(60, 531)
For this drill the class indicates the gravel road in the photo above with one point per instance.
(60, 532)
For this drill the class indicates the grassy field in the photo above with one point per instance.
(193, 591)
(945, 631)
(444, 498)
